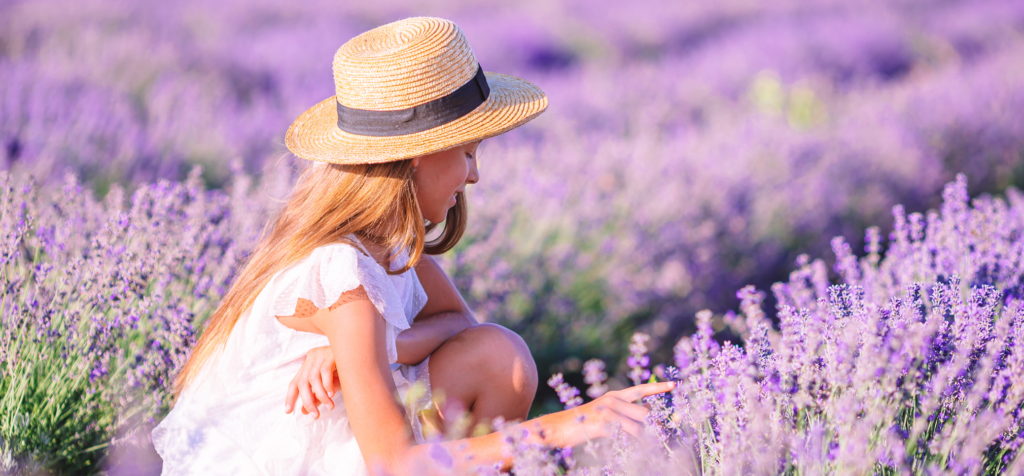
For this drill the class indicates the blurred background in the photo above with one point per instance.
(690, 148)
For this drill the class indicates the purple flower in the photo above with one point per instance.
(567, 394)
(638, 360)
(594, 376)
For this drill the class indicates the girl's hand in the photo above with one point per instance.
(314, 383)
(599, 416)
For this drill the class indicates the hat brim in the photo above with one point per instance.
(511, 103)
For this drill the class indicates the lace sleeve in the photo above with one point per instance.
(305, 308)
(330, 274)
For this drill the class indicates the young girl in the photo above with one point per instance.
(338, 293)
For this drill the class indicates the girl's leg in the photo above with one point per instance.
(488, 370)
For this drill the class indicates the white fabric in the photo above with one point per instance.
(231, 420)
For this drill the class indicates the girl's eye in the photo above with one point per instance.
(468, 155)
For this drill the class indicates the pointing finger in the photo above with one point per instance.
(645, 390)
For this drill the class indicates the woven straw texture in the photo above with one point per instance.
(398, 66)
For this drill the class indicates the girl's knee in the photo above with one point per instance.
(503, 355)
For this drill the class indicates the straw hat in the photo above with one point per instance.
(410, 88)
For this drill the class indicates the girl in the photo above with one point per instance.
(338, 293)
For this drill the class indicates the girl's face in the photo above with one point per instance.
(440, 175)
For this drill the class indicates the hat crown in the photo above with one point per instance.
(402, 64)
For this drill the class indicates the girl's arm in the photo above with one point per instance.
(596, 419)
(356, 332)
(444, 315)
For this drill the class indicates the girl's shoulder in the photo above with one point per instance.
(328, 271)
(332, 270)
(346, 256)
(348, 246)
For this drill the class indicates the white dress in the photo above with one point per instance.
(231, 420)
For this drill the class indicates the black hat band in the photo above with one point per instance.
(419, 118)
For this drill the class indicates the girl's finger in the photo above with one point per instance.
(645, 390)
(629, 425)
(289, 399)
(327, 376)
(632, 427)
(630, 410)
(291, 395)
(318, 389)
(308, 404)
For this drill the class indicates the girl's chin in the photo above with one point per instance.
(438, 217)
(442, 214)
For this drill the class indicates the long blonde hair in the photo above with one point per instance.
(375, 202)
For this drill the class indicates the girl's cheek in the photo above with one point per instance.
(464, 173)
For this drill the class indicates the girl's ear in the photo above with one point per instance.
(415, 162)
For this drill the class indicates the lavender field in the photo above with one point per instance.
(688, 151)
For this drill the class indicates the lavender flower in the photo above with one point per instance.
(100, 306)
(638, 360)
(567, 394)
(911, 364)
(594, 376)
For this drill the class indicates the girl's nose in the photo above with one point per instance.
(474, 172)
